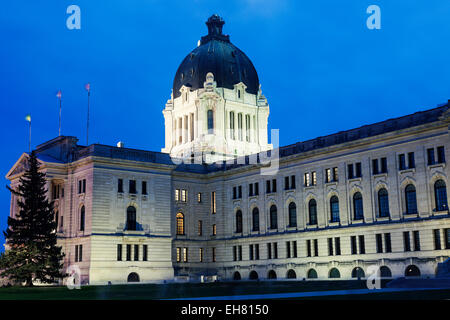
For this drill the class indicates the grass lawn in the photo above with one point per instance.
(186, 290)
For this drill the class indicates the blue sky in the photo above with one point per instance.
(320, 67)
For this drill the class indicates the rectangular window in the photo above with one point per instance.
(269, 251)
(256, 188)
(288, 249)
(411, 163)
(307, 179)
(240, 192)
(274, 185)
(200, 253)
(144, 187)
(136, 252)
(337, 245)
(383, 165)
(250, 190)
(177, 194)
(144, 252)
(335, 174)
(379, 240)
(275, 250)
(286, 183)
(267, 186)
(362, 245)
(387, 242)
(430, 156)
(358, 170)
(437, 239)
(293, 182)
(183, 195)
(213, 254)
(79, 186)
(440, 154)
(185, 254)
(234, 253)
(240, 126)
(213, 202)
(119, 252)
(84, 187)
(416, 238)
(240, 253)
(178, 254)
(316, 248)
(76, 253)
(294, 246)
(406, 241)
(200, 227)
(375, 166)
(328, 175)
(128, 252)
(353, 244)
(330, 246)
(308, 248)
(132, 187)
(401, 162)
(120, 185)
(314, 178)
(447, 238)
(214, 230)
(250, 251)
(350, 171)
(234, 193)
(199, 197)
(256, 251)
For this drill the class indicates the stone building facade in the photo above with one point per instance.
(336, 205)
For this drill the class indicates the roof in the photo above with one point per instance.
(218, 55)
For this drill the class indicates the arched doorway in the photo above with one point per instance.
(412, 271)
(271, 274)
(291, 274)
(133, 277)
(334, 273)
(236, 276)
(253, 275)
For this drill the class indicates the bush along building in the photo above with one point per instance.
(338, 204)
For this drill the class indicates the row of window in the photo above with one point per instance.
(182, 254)
(132, 186)
(136, 252)
(440, 192)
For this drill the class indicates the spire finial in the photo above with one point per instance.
(215, 24)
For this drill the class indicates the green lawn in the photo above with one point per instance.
(186, 290)
(175, 290)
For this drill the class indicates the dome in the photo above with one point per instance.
(218, 55)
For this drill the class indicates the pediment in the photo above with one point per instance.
(19, 167)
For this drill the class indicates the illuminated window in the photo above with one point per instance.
(180, 223)
(200, 253)
(185, 254)
(178, 254)
(213, 202)
(214, 230)
(183, 195)
(200, 227)
(199, 197)
(177, 194)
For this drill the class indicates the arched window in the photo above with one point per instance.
(385, 272)
(334, 273)
(180, 223)
(410, 199)
(273, 217)
(292, 215)
(131, 218)
(239, 221)
(210, 122)
(334, 208)
(312, 274)
(383, 203)
(291, 274)
(82, 218)
(440, 195)
(358, 273)
(253, 275)
(272, 274)
(312, 211)
(412, 271)
(236, 275)
(358, 206)
(255, 219)
(133, 277)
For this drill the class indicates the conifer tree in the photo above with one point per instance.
(31, 250)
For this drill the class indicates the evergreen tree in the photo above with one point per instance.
(31, 252)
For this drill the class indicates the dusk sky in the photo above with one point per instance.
(320, 67)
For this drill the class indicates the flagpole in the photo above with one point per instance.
(59, 132)
(29, 135)
(87, 128)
